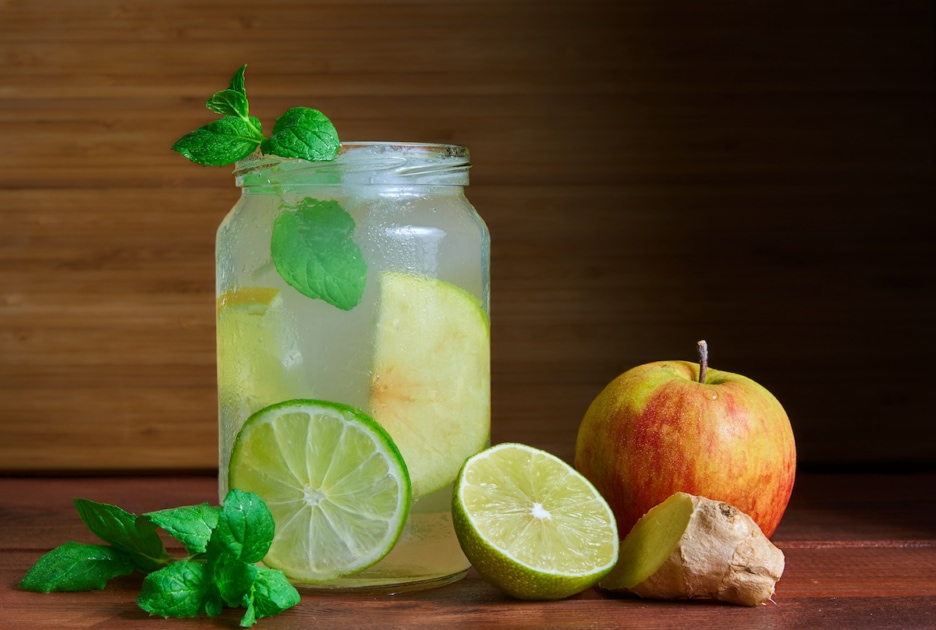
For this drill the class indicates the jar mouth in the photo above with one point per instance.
(361, 162)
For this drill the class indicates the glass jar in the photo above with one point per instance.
(383, 231)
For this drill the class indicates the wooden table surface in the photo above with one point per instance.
(860, 553)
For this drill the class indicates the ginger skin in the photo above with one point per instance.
(721, 555)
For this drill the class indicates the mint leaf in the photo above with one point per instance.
(229, 102)
(245, 528)
(313, 251)
(221, 142)
(270, 595)
(128, 532)
(232, 101)
(303, 133)
(76, 567)
(190, 525)
(180, 590)
(233, 578)
(214, 605)
(250, 615)
(237, 81)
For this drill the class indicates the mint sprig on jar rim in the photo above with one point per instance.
(301, 132)
(335, 273)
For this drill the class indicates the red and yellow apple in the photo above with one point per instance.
(658, 429)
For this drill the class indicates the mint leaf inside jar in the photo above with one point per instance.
(313, 251)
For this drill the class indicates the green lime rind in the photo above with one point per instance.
(334, 480)
(531, 525)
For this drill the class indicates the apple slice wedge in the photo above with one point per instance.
(430, 387)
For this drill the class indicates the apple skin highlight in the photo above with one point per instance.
(655, 430)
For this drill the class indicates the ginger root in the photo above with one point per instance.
(690, 546)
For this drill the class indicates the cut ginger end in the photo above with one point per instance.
(693, 547)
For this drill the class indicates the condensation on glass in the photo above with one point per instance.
(411, 220)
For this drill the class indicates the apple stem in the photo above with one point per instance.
(703, 360)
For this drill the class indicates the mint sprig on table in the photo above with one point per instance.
(223, 545)
(301, 132)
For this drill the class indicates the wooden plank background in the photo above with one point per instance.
(757, 174)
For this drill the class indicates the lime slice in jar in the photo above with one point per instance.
(335, 483)
(255, 350)
(430, 387)
(531, 524)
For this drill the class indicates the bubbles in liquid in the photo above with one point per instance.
(416, 248)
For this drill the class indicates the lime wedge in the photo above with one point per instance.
(335, 483)
(531, 524)
(431, 383)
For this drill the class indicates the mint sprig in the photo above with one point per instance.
(299, 133)
(223, 544)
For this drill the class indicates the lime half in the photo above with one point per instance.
(431, 380)
(531, 524)
(335, 483)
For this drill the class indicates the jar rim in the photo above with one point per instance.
(357, 161)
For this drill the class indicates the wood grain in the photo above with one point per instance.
(758, 175)
(860, 553)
